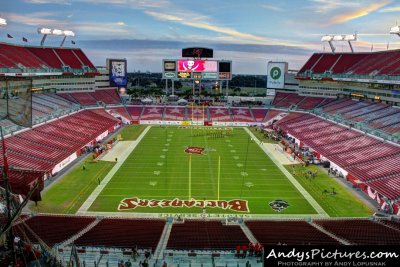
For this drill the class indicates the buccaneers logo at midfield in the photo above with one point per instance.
(195, 150)
(279, 205)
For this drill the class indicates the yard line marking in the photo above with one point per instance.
(89, 201)
(299, 187)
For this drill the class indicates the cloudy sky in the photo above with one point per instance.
(250, 32)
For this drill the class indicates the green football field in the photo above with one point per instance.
(232, 175)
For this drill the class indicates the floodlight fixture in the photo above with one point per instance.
(44, 31)
(58, 32)
(339, 38)
(3, 22)
(326, 38)
(350, 37)
(329, 39)
(395, 30)
(69, 33)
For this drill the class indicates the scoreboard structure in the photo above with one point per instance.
(197, 69)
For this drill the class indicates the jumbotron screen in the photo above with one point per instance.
(184, 69)
(198, 65)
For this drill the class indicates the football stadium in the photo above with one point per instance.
(92, 176)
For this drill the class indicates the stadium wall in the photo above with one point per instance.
(375, 91)
(64, 83)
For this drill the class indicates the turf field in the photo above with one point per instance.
(68, 194)
(342, 204)
(160, 177)
(131, 132)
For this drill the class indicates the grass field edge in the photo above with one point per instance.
(90, 200)
(317, 207)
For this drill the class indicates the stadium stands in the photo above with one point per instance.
(325, 63)
(288, 232)
(197, 113)
(279, 97)
(43, 58)
(219, 114)
(367, 63)
(337, 105)
(199, 234)
(362, 232)
(205, 235)
(68, 58)
(310, 102)
(310, 63)
(107, 96)
(357, 114)
(272, 114)
(83, 58)
(85, 99)
(19, 57)
(259, 114)
(134, 112)
(51, 229)
(376, 169)
(289, 100)
(174, 113)
(391, 224)
(364, 158)
(242, 115)
(39, 150)
(48, 56)
(152, 113)
(119, 112)
(123, 233)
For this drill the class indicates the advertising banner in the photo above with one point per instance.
(118, 72)
(276, 75)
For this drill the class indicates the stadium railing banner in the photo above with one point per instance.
(350, 256)
(17, 93)
(238, 124)
(158, 122)
(101, 136)
(64, 163)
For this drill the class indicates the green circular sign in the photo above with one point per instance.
(275, 73)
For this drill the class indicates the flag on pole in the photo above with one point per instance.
(387, 47)
(24, 39)
(372, 47)
(9, 35)
(73, 42)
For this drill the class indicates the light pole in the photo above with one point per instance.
(339, 38)
(46, 31)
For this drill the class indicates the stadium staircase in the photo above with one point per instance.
(391, 224)
(162, 244)
(252, 115)
(72, 239)
(332, 235)
(248, 233)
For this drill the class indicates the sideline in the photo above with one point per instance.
(89, 201)
(296, 184)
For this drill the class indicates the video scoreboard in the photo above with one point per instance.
(197, 69)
